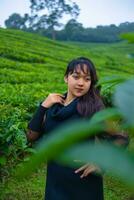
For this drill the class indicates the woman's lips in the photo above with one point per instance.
(79, 90)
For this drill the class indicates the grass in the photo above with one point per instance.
(33, 188)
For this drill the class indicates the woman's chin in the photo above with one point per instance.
(79, 94)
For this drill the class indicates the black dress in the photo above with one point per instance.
(62, 183)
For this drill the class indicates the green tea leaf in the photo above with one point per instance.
(124, 100)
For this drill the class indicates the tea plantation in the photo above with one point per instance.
(31, 67)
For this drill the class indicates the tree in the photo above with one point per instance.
(15, 21)
(54, 11)
(73, 24)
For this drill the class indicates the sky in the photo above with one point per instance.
(92, 14)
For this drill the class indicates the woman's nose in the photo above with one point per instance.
(80, 82)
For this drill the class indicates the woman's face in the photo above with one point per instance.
(78, 82)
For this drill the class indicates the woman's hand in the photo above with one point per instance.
(87, 169)
(52, 99)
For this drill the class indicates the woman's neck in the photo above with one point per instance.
(69, 99)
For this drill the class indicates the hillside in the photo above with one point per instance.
(31, 67)
(27, 59)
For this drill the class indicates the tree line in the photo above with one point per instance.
(47, 24)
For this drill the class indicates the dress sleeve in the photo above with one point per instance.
(36, 122)
(119, 139)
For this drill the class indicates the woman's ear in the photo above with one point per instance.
(65, 79)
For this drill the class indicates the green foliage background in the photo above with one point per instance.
(31, 67)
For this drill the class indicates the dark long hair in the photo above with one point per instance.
(91, 102)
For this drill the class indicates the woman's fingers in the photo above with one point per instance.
(87, 171)
(81, 168)
(52, 99)
(57, 94)
(59, 98)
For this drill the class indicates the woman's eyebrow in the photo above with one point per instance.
(78, 73)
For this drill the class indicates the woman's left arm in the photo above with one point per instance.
(120, 139)
(116, 136)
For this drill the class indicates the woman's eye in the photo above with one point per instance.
(76, 77)
(88, 79)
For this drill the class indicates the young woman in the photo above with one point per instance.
(81, 100)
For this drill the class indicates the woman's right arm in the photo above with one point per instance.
(35, 125)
